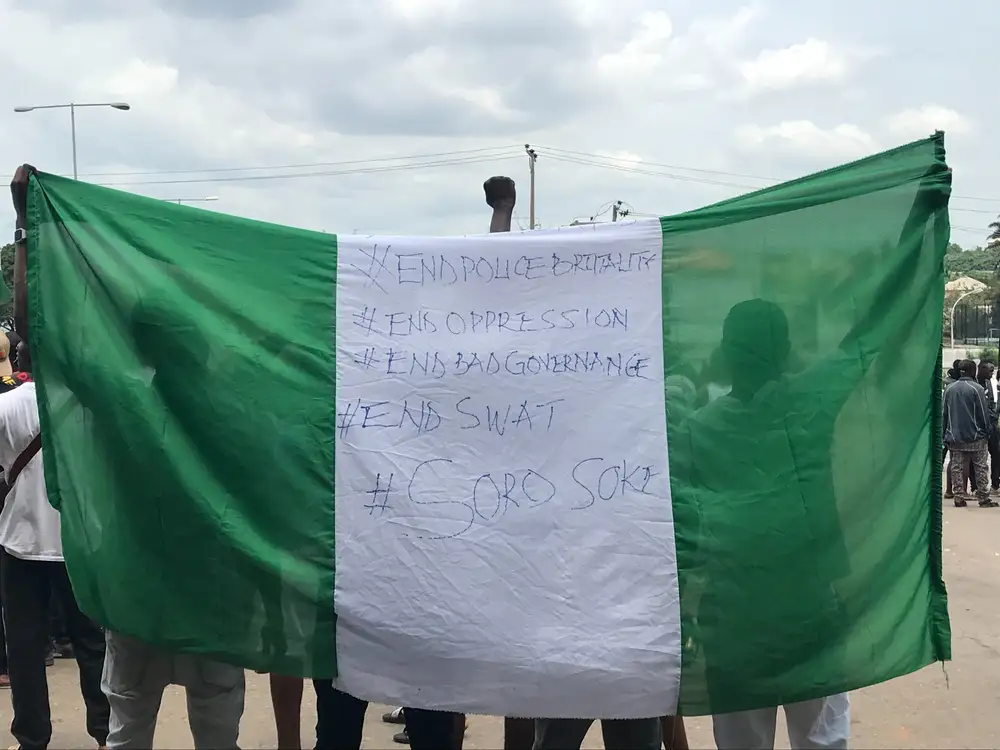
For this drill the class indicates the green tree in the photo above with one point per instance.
(994, 230)
(979, 262)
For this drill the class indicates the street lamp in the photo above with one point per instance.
(969, 286)
(72, 116)
(193, 200)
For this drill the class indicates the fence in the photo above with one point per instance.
(976, 325)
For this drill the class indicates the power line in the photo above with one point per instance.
(586, 155)
(296, 175)
(311, 165)
(465, 156)
(973, 198)
(640, 168)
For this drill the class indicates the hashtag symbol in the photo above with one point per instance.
(367, 359)
(376, 266)
(365, 320)
(375, 492)
(345, 419)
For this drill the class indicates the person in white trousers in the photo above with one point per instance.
(821, 724)
(135, 676)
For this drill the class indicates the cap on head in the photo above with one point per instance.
(6, 368)
(755, 337)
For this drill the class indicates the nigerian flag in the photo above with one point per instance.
(681, 465)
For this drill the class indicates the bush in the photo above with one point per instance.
(988, 353)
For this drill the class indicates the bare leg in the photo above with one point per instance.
(674, 735)
(286, 700)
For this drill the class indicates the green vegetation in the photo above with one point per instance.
(988, 353)
(979, 263)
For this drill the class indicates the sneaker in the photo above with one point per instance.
(64, 651)
(395, 716)
(401, 738)
(959, 503)
(989, 503)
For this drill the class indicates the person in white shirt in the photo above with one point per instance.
(32, 571)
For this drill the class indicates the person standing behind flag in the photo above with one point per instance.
(31, 570)
(779, 434)
(136, 673)
(966, 423)
(984, 376)
(8, 382)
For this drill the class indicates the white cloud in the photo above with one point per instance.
(367, 79)
(923, 121)
(436, 70)
(812, 61)
(423, 10)
(644, 50)
(805, 137)
(659, 61)
(217, 121)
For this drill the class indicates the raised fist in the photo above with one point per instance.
(500, 192)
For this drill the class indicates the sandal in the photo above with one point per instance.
(395, 716)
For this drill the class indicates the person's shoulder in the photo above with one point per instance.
(12, 381)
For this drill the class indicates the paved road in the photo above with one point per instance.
(950, 707)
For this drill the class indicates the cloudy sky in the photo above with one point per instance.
(391, 113)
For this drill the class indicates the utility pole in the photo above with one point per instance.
(532, 158)
(617, 212)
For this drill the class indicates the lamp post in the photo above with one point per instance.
(72, 116)
(955, 306)
(192, 200)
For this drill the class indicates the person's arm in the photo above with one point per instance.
(945, 422)
(286, 700)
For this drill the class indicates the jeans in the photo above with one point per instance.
(28, 586)
(135, 676)
(619, 734)
(822, 724)
(340, 721)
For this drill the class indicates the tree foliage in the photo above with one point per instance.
(980, 262)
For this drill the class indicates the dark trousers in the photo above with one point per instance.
(28, 586)
(340, 721)
(3, 638)
(57, 617)
(994, 447)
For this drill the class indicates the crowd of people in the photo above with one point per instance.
(970, 432)
(122, 680)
